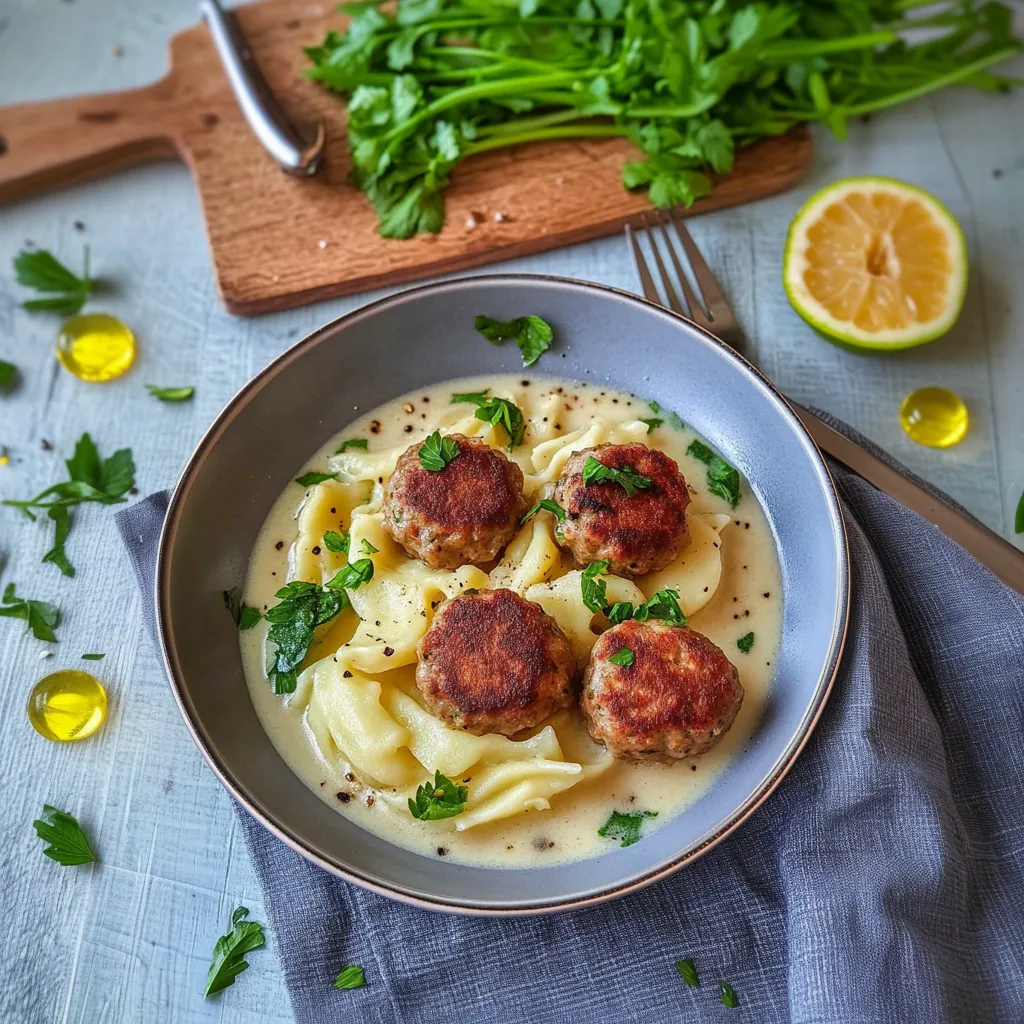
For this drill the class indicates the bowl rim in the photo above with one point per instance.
(251, 802)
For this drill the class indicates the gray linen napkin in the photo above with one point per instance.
(882, 881)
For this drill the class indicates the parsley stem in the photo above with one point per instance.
(790, 49)
(582, 131)
(526, 124)
(480, 52)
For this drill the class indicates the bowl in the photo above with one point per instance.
(425, 336)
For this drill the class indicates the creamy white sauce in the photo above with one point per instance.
(748, 599)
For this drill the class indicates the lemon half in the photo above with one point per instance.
(876, 264)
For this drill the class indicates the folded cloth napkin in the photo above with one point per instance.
(882, 881)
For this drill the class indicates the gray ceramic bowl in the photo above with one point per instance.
(425, 336)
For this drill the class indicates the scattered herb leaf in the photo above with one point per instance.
(727, 995)
(229, 952)
(437, 451)
(676, 421)
(745, 643)
(652, 424)
(619, 612)
(93, 657)
(42, 271)
(367, 548)
(312, 478)
(496, 411)
(337, 542)
(40, 617)
(625, 827)
(245, 616)
(62, 517)
(723, 479)
(593, 589)
(352, 976)
(8, 376)
(303, 606)
(1018, 519)
(171, 394)
(67, 842)
(663, 605)
(622, 657)
(352, 576)
(359, 443)
(440, 799)
(688, 972)
(532, 334)
(595, 472)
(545, 505)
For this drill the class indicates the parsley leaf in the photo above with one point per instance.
(592, 589)
(676, 421)
(40, 617)
(497, 411)
(688, 972)
(43, 272)
(1018, 519)
(622, 657)
(532, 334)
(727, 995)
(8, 377)
(245, 615)
(619, 612)
(312, 478)
(440, 799)
(352, 576)
(302, 607)
(652, 424)
(625, 827)
(663, 605)
(595, 472)
(367, 548)
(436, 452)
(722, 478)
(182, 394)
(67, 842)
(337, 542)
(93, 657)
(56, 554)
(745, 643)
(359, 443)
(229, 952)
(545, 505)
(352, 976)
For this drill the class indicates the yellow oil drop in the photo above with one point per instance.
(934, 417)
(95, 346)
(5, 456)
(67, 705)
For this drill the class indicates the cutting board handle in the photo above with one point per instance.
(56, 142)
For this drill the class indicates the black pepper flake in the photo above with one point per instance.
(767, 593)
(705, 590)
(558, 426)
(746, 526)
(375, 427)
(344, 797)
(746, 614)
(349, 777)
(334, 511)
(525, 383)
(693, 767)
(279, 545)
(510, 847)
(388, 651)
(316, 549)
(442, 851)
(735, 616)
(346, 674)
(370, 800)
(408, 428)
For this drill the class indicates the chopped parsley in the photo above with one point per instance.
(532, 334)
(245, 615)
(40, 617)
(312, 478)
(440, 799)
(663, 605)
(67, 842)
(619, 612)
(229, 952)
(652, 424)
(43, 272)
(727, 995)
(352, 576)
(303, 606)
(436, 452)
(93, 657)
(688, 972)
(592, 589)
(337, 542)
(367, 548)
(595, 472)
(544, 505)
(8, 376)
(352, 976)
(673, 418)
(722, 478)
(622, 657)
(105, 481)
(745, 643)
(498, 412)
(182, 394)
(359, 443)
(676, 421)
(625, 827)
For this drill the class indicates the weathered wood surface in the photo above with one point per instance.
(279, 241)
(130, 940)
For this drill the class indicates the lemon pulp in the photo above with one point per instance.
(934, 417)
(67, 705)
(95, 346)
(876, 263)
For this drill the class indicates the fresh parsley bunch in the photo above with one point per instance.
(687, 81)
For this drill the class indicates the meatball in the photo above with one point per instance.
(494, 662)
(677, 698)
(463, 514)
(637, 533)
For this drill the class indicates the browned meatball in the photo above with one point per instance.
(494, 662)
(463, 514)
(637, 533)
(678, 698)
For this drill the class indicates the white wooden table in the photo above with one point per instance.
(130, 938)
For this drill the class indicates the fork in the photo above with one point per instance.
(710, 311)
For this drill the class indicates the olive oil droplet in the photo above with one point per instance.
(934, 417)
(67, 705)
(95, 346)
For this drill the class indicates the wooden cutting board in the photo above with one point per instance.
(278, 241)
